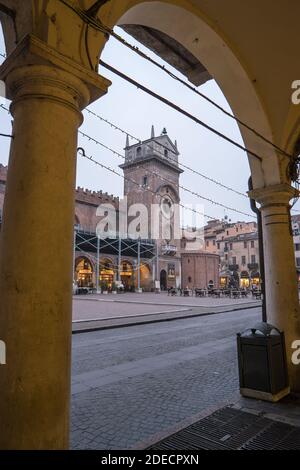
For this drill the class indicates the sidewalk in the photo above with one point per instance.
(94, 312)
(245, 424)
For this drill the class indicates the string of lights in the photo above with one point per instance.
(179, 110)
(1, 134)
(190, 87)
(183, 188)
(125, 178)
(6, 135)
(181, 165)
(100, 27)
(95, 23)
(157, 174)
(211, 201)
(4, 108)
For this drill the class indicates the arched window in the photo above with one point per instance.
(166, 153)
(139, 151)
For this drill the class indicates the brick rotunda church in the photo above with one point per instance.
(151, 178)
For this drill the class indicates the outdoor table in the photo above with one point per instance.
(257, 294)
(217, 293)
(235, 294)
(200, 293)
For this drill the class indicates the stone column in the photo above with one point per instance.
(36, 255)
(282, 299)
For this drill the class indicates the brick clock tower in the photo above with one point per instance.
(152, 179)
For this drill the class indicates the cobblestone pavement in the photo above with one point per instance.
(132, 383)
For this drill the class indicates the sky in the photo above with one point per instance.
(135, 112)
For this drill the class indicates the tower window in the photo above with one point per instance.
(139, 151)
(145, 181)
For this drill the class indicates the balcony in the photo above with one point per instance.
(253, 266)
(233, 267)
(170, 250)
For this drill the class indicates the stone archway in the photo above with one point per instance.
(84, 272)
(145, 277)
(244, 279)
(127, 275)
(218, 58)
(51, 77)
(107, 273)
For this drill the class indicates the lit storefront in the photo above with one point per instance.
(223, 282)
(224, 279)
(244, 280)
(255, 279)
(127, 275)
(107, 273)
(84, 273)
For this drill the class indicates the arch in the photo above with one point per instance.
(84, 272)
(146, 276)
(107, 272)
(165, 188)
(255, 278)
(127, 275)
(217, 55)
(220, 56)
(244, 279)
(163, 279)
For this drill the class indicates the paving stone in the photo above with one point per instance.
(164, 373)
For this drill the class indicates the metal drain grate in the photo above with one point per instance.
(229, 428)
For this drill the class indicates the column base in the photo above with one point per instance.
(265, 396)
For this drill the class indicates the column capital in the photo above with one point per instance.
(35, 55)
(42, 82)
(274, 195)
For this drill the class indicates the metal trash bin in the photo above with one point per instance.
(262, 363)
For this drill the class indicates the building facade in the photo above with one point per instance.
(200, 270)
(238, 247)
(151, 253)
